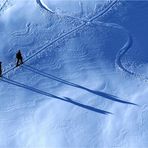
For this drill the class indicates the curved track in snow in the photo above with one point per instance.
(44, 6)
(124, 49)
(122, 53)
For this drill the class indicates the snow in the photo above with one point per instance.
(73, 8)
(84, 80)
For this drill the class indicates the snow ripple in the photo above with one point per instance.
(22, 32)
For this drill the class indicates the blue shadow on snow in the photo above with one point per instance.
(12, 82)
(99, 93)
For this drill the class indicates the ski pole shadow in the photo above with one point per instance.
(99, 93)
(68, 100)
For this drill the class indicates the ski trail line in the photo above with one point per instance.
(66, 34)
(42, 5)
(3, 5)
(120, 55)
(122, 52)
(103, 11)
(123, 49)
(126, 47)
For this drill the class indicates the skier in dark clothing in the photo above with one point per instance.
(0, 69)
(19, 58)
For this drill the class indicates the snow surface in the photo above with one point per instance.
(84, 80)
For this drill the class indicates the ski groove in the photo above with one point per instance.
(123, 50)
(42, 5)
(4, 4)
(122, 53)
(66, 34)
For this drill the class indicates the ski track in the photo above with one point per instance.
(3, 5)
(103, 11)
(66, 34)
(122, 53)
(44, 6)
(126, 47)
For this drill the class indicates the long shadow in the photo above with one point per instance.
(99, 93)
(12, 82)
(86, 106)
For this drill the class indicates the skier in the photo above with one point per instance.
(19, 58)
(0, 69)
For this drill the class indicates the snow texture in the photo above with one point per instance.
(83, 83)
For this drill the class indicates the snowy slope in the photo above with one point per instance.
(84, 80)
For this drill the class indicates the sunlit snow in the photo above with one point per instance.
(83, 83)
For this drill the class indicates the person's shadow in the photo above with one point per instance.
(99, 93)
(66, 99)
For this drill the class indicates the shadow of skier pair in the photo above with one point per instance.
(66, 99)
(99, 93)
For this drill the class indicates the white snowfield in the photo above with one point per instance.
(83, 83)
